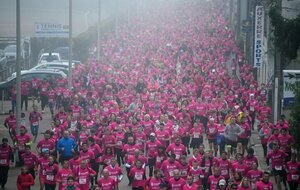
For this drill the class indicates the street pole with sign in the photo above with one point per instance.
(98, 30)
(70, 46)
(18, 68)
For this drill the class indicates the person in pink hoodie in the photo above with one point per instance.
(71, 185)
(264, 183)
(293, 170)
(63, 175)
(83, 175)
(176, 182)
(138, 176)
(106, 182)
(24, 180)
(190, 185)
(50, 171)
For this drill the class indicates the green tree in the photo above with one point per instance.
(295, 119)
(286, 31)
(88, 39)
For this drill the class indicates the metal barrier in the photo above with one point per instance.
(6, 70)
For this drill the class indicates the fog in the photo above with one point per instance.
(85, 13)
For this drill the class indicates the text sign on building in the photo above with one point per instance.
(258, 36)
(291, 83)
(51, 30)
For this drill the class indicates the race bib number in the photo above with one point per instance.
(105, 109)
(196, 178)
(64, 182)
(196, 135)
(50, 177)
(177, 156)
(278, 168)
(184, 173)
(224, 172)
(119, 143)
(206, 169)
(171, 173)
(295, 177)
(21, 147)
(251, 108)
(159, 159)
(138, 176)
(82, 181)
(35, 123)
(201, 176)
(211, 130)
(3, 161)
(114, 178)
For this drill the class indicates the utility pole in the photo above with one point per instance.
(70, 47)
(117, 19)
(277, 76)
(230, 13)
(238, 18)
(98, 30)
(18, 69)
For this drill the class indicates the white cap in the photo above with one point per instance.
(222, 182)
(152, 134)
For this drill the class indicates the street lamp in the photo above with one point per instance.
(18, 68)
(70, 46)
(98, 30)
(116, 21)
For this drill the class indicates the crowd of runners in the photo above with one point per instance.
(144, 112)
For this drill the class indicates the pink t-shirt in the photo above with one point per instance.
(293, 171)
(260, 185)
(152, 148)
(197, 175)
(114, 172)
(107, 184)
(138, 176)
(62, 176)
(84, 177)
(50, 172)
(176, 184)
(178, 150)
(213, 181)
(168, 168)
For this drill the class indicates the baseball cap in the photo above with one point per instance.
(222, 182)
(23, 127)
(152, 134)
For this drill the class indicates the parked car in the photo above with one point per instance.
(10, 52)
(49, 57)
(63, 52)
(28, 75)
(64, 67)
(3, 59)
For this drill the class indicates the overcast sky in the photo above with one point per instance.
(53, 11)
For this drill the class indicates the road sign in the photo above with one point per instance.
(259, 36)
(51, 30)
(291, 81)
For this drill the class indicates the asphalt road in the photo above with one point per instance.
(45, 124)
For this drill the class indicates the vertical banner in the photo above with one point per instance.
(258, 36)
